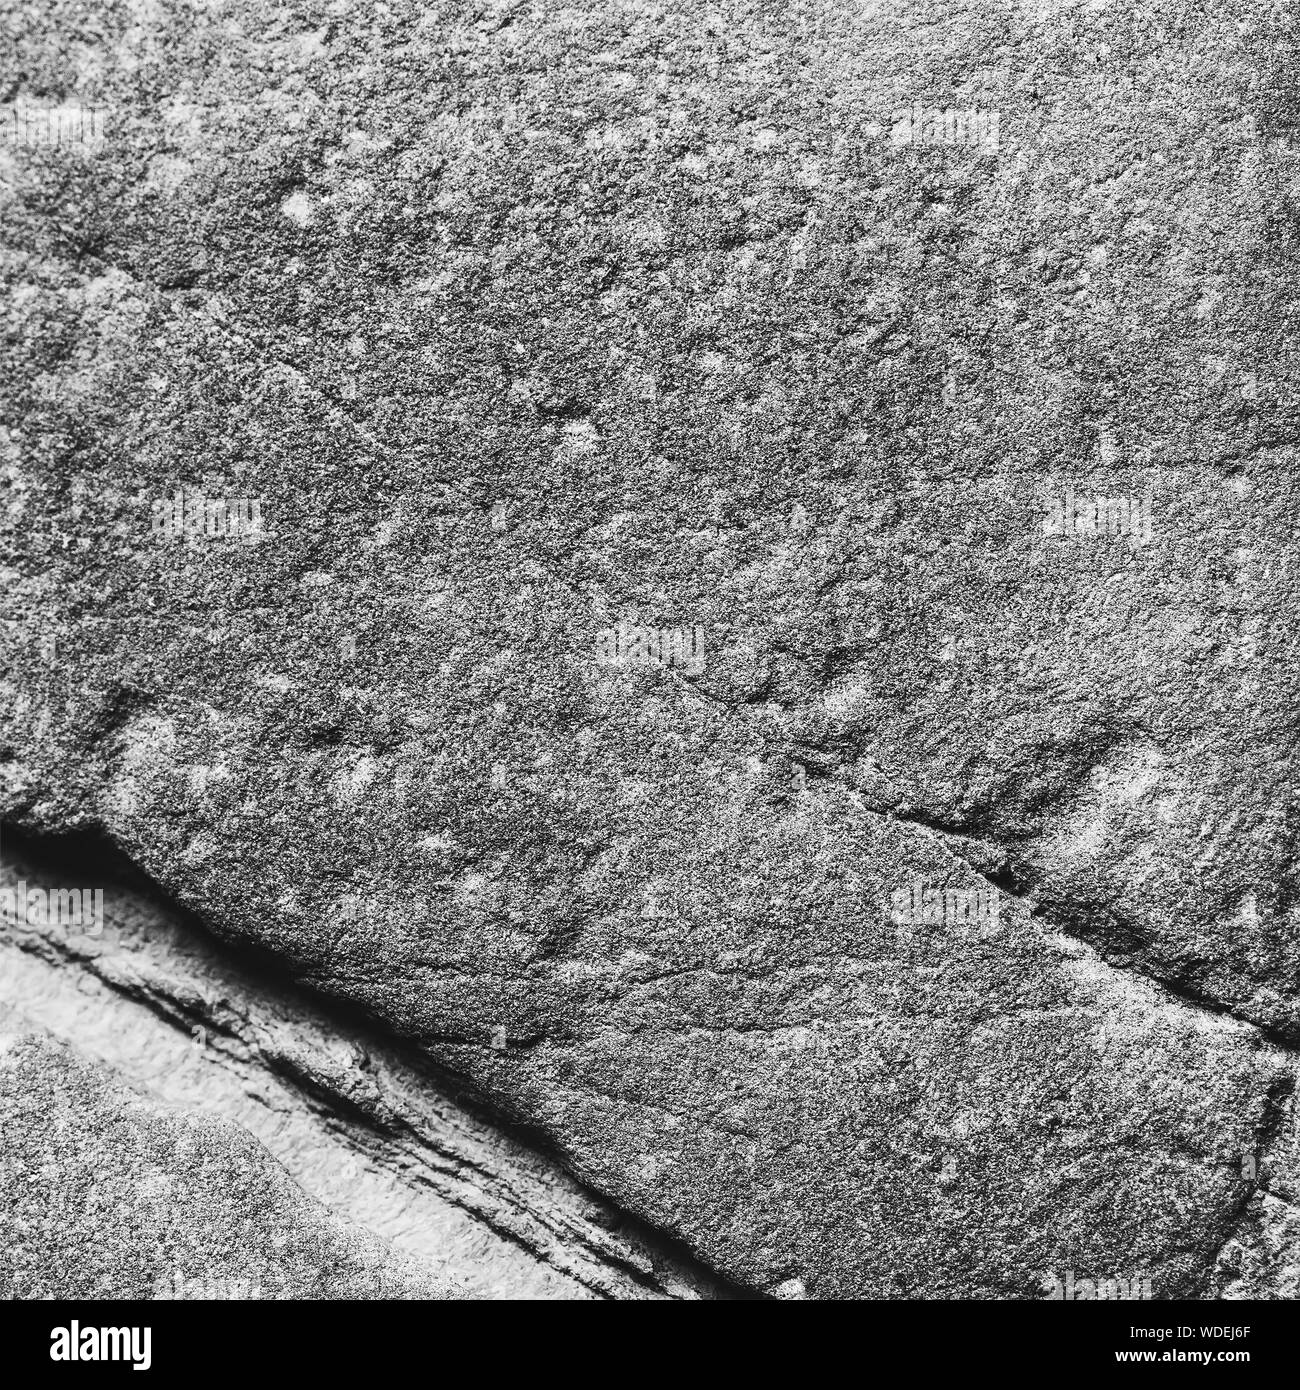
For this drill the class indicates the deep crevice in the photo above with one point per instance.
(89, 850)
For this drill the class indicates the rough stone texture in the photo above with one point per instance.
(380, 1142)
(652, 287)
(108, 1196)
(1260, 1259)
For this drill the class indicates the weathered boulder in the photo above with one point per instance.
(546, 522)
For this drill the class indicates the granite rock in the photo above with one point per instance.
(546, 523)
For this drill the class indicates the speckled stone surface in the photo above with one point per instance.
(109, 1196)
(517, 323)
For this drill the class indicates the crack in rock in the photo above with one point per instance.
(381, 1142)
(746, 618)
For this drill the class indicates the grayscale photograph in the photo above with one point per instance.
(648, 653)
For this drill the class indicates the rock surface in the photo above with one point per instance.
(110, 1197)
(468, 1210)
(519, 323)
